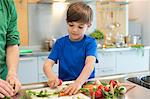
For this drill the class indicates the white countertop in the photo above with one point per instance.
(120, 49)
(37, 52)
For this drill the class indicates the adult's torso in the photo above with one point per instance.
(5, 10)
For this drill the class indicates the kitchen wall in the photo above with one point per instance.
(47, 20)
(139, 11)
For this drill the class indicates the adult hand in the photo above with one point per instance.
(72, 88)
(14, 82)
(5, 89)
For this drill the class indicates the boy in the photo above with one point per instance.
(76, 52)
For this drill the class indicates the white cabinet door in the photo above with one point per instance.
(104, 71)
(132, 61)
(106, 65)
(106, 59)
(41, 60)
(41, 76)
(28, 70)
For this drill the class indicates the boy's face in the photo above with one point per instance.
(76, 30)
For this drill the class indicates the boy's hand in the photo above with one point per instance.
(54, 83)
(72, 88)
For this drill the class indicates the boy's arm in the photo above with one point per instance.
(87, 70)
(48, 69)
(53, 80)
(85, 74)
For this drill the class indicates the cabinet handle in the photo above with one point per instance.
(107, 54)
(120, 53)
(44, 77)
(109, 70)
(25, 59)
(43, 58)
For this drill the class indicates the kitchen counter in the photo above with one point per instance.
(35, 54)
(46, 53)
(137, 92)
(120, 49)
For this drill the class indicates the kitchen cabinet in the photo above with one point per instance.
(28, 70)
(106, 65)
(132, 60)
(31, 69)
(22, 13)
(122, 61)
(41, 76)
(111, 62)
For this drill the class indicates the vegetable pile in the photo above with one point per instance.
(93, 89)
(42, 93)
(97, 89)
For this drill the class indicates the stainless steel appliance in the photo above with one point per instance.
(142, 81)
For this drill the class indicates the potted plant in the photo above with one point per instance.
(98, 35)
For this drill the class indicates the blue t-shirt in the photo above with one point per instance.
(71, 56)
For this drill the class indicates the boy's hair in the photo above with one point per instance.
(79, 12)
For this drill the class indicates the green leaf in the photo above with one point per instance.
(6, 97)
(104, 84)
(90, 82)
(86, 91)
(121, 89)
(94, 89)
(97, 35)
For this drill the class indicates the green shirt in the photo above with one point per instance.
(9, 34)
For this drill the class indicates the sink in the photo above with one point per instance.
(142, 81)
(146, 79)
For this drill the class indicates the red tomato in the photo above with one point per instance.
(100, 86)
(91, 92)
(106, 88)
(60, 82)
(113, 82)
(98, 93)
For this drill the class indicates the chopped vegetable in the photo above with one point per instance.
(42, 93)
(6, 97)
(62, 94)
(98, 93)
(113, 82)
(97, 82)
(107, 88)
(104, 90)
(60, 82)
(111, 90)
(122, 89)
(100, 86)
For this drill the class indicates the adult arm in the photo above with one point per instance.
(12, 59)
